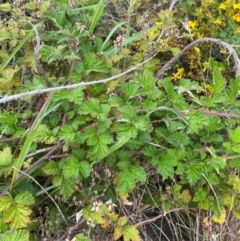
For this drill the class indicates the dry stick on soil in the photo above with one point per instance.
(221, 43)
(160, 216)
(53, 89)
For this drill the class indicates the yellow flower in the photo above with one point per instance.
(236, 18)
(199, 35)
(218, 21)
(179, 74)
(197, 50)
(205, 86)
(192, 24)
(222, 6)
(153, 32)
(236, 6)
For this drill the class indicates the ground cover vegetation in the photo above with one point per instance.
(119, 120)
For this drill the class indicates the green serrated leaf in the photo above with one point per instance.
(17, 216)
(127, 131)
(85, 169)
(92, 63)
(47, 52)
(71, 167)
(59, 18)
(165, 163)
(194, 173)
(5, 202)
(8, 118)
(118, 232)
(6, 157)
(219, 83)
(131, 233)
(130, 90)
(122, 221)
(197, 121)
(24, 198)
(81, 237)
(6, 7)
(66, 185)
(44, 135)
(235, 135)
(67, 133)
(15, 235)
(51, 168)
(178, 139)
(139, 173)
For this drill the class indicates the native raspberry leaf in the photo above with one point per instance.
(5, 202)
(142, 123)
(81, 237)
(200, 195)
(130, 90)
(185, 197)
(99, 142)
(85, 168)
(47, 52)
(165, 163)
(118, 232)
(24, 198)
(126, 181)
(18, 235)
(51, 168)
(128, 114)
(44, 135)
(103, 124)
(178, 139)
(6, 157)
(197, 121)
(167, 84)
(66, 185)
(94, 108)
(139, 173)
(235, 135)
(131, 233)
(127, 130)
(219, 83)
(92, 63)
(122, 221)
(76, 95)
(67, 133)
(71, 167)
(150, 151)
(129, 176)
(236, 213)
(194, 173)
(17, 216)
(147, 82)
(58, 17)
(123, 157)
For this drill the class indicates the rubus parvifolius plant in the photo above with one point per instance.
(103, 116)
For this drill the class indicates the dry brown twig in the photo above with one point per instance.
(221, 43)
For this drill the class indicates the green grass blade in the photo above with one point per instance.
(111, 33)
(164, 108)
(115, 147)
(133, 38)
(29, 140)
(97, 15)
